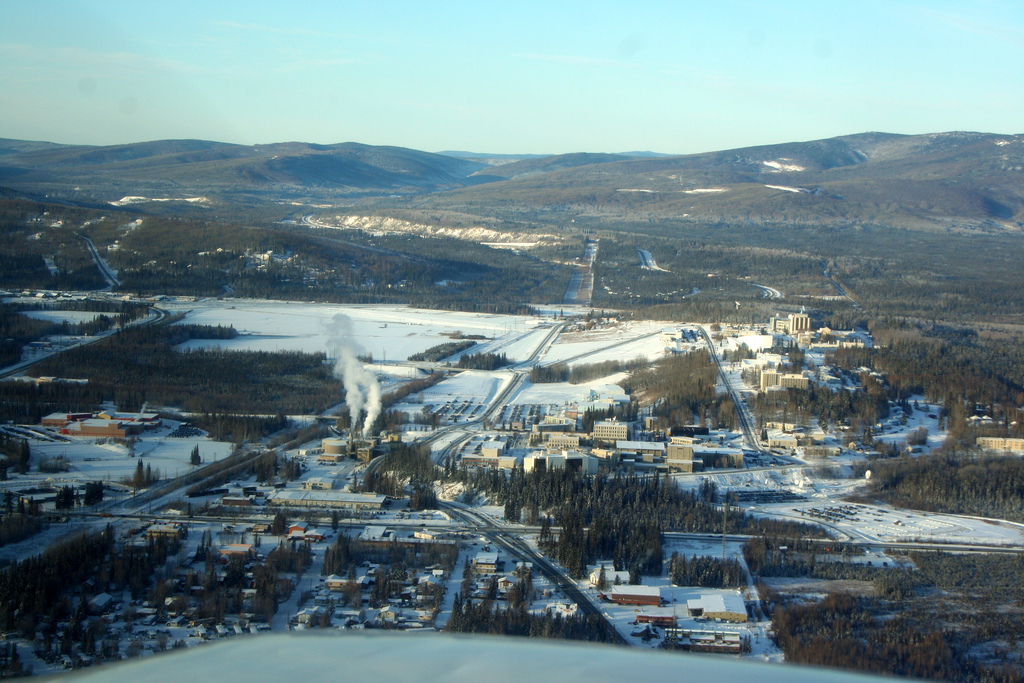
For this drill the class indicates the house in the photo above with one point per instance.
(338, 583)
(242, 550)
(388, 615)
(610, 576)
(100, 603)
(563, 609)
(505, 583)
(309, 536)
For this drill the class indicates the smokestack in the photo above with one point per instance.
(362, 391)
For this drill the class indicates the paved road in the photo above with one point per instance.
(770, 292)
(741, 411)
(591, 352)
(156, 316)
(512, 543)
(105, 270)
(839, 288)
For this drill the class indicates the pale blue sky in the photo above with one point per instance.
(539, 77)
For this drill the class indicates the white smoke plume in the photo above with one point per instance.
(362, 391)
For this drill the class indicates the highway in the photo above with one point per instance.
(156, 315)
(105, 270)
(769, 292)
(839, 288)
(510, 540)
(741, 409)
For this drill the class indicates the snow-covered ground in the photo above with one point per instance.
(92, 459)
(386, 332)
(72, 317)
(823, 504)
(560, 393)
(624, 341)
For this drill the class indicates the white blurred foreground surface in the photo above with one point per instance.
(396, 657)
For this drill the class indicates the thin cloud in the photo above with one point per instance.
(119, 63)
(577, 60)
(304, 32)
(1006, 33)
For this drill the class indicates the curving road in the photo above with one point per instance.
(769, 292)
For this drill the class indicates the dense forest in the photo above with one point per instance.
(141, 365)
(583, 372)
(619, 518)
(484, 616)
(859, 409)
(681, 389)
(959, 483)
(442, 351)
(947, 619)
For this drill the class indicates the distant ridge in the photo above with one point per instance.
(957, 180)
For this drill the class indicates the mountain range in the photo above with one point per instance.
(957, 180)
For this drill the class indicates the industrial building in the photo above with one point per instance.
(634, 595)
(725, 607)
(326, 499)
(792, 324)
(103, 428)
(334, 446)
(560, 440)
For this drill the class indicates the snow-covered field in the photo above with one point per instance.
(559, 393)
(824, 493)
(71, 317)
(473, 386)
(625, 341)
(393, 333)
(91, 461)
(386, 332)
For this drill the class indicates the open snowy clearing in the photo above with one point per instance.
(70, 317)
(824, 504)
(559, 393)
(92, 459)
(621, 342)
(386, 332)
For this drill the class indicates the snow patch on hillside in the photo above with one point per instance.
(387, 224)
(135, 199)
(779, 166)
(787, 188)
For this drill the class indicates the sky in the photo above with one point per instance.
(521, 77)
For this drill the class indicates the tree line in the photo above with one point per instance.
(956, 482)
